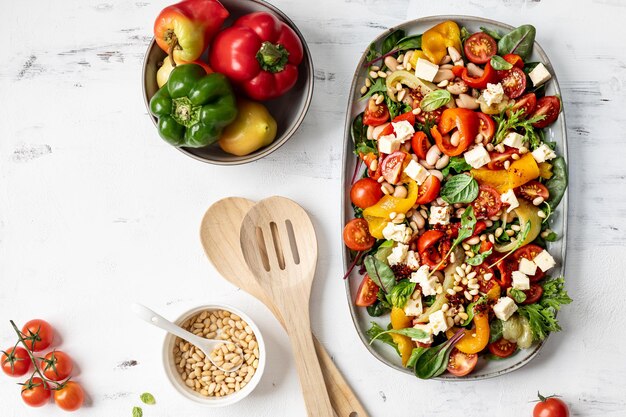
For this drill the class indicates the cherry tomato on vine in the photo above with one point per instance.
(35, 392)
(57, 365)
(550, 407)
(15, 361)
(37, 334)
(70, 397)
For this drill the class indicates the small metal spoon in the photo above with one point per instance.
(205, 345)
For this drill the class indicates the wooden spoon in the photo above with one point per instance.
(219, 233)
(280, 248)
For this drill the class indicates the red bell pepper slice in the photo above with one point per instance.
(489, 75)
(465, 120)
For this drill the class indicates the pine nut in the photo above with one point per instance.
(537, 201)
(380, 99)
(363, 90)
(507, 164)
(382, 74)
(368, 83)
(373, 74)
(515, 157)
(541, 214)
(473, 241)
(401, 95)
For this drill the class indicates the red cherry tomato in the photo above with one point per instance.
(15, 361)
(550, 407)
(527, 103)
(533, 294)
(532, 190)
(392, 167)
(70, 397)
(420, 144)
(482, 270)
(432, 246)
(429, 190)
(502, 348)
(548, 106)
(480, 47)
(529, 252)
(498, 159)
(38, 335)
(487, 203)
(461, 364)
(365, 193)
(513, 82)
(356, 235)
(35, 392)
(367, 293)
(375, 114)
(408, 116)
(505, 269)
(487, 126)
(428, 239)
(57, 366)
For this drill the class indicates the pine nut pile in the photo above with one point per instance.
(199, 373)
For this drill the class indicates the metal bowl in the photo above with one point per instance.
(289, 110)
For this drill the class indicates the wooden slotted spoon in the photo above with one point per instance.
(280, 248)
(219, 233)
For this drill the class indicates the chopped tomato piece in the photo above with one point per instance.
(375, 114)
(502, 348)
(487, 203)
(367, 293)
(429, 190)
(392, 167)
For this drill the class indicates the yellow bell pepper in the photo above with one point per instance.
(519, 173)
(435, 41)
(545, 170)
(399, 320)
(415, 55)
(377, 216)
(476, 339)
(494, 293)
(253, 128)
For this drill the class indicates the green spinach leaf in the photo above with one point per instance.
(435, 99)
(495, 330)
(391, 40)
(380, 273)
(491, 32)
(415, 354)
(518, 41)
(434, 361)
(460, 189)
(401, 292)
(409, 42)
(359, 137)
(377, 309)
(376, 332)
(498, 63)
(557, 184)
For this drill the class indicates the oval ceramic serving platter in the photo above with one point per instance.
(556, 132)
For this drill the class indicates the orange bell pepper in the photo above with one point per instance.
(476, 339)
(436, 40)
(519, 173)
(545, 170)
(377, 216)
(399, 320)
(465, 120)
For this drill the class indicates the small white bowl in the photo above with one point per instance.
(178, 383)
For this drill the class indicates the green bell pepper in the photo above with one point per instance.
(193, 107)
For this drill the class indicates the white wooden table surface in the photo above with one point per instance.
(97, 212)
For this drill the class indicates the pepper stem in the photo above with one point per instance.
(272, 58)
(173, 42)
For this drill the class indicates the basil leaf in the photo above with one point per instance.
(499, 63)
(391, 40)
(460, 189)
(429, 300)
(557, 184)
(458, 164)
(376, 332)
(518, 295)
(519, 41)
(147, 398)
(380, 273)
(415, 354)
(377, 309)
(409, 42)
(495, 331)
(400, 294)
(493, 33)
(137, 412)
(435, 99)
(408, 332)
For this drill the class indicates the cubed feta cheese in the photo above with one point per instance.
(403, 130)
(520, 281)
(426, 283)
(388, 144)
(416, 172)
(543, 153)
(510, 199)
(439, 215)
(397, 232)
(544, 260)
(477, 156)
(438, 323)
(398, 254)
(426, 329)
(413, 307)
(527, 267)
(539, 75)
(493, 94)
(504, 308)
(412, 260)
(514, 140)
(425, 69)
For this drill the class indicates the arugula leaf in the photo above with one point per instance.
(380, 273)
(479, 258)
(518, 295)
(458, 164)
(378, 86)
(541, 316)
(411, 332)
(521, 237)
(468, 221)
(557, 184)
(459, 189)
(491, 32)
(498, 63)
(377, 332)
(400, 294)
(409, 42)
(519, 41)
(554, 294)
(392, 39)
(435, 99)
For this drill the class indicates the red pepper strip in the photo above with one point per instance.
(465, 120)
(489, 75)
(457, 70)
(514, 60)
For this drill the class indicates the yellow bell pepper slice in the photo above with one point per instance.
(436, 40)
(377, 216)
(399, 320)
(476, 339)
(519, 173)
(415, 55)
(526, 213)
(545, 170)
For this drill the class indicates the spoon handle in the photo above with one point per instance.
(155, 319)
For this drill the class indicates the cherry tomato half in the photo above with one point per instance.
(356, 235)
(429, 190)
(365, 193)
(486, 127)
(432, 246)
(480, 47)
(420, 144)
(533, 294)
(408, 116)
(461, 364)
(367, 293)
(487, 203)
(70, 397)
(534, 189)
(498, 159)
(527, 103)
(38, 335)
(548, 106)
(514, 60)
(392, 167)
(513, 82)
(529, 252)
(551, 407)
(482, 270)
(505, 269)
(57, 365)
(375, 114)
(35, 392)
(15, 361)
(502, 348)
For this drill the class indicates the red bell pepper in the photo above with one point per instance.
(184, 30)
(489, 76)
(465, 120)
(260, 53)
